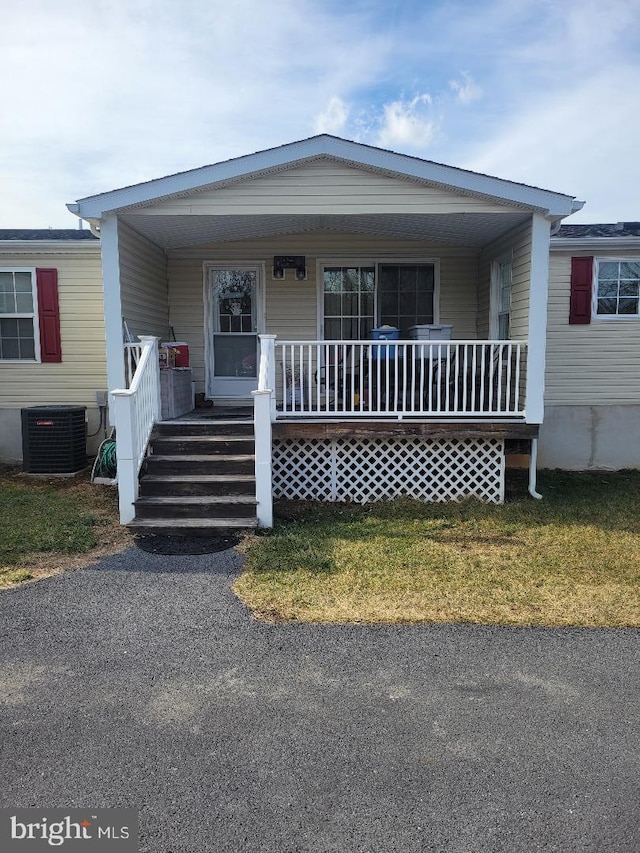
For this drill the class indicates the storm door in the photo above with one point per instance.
(231, 354)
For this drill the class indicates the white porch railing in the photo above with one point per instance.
(136, 409)
(132, 354)
(447, 379)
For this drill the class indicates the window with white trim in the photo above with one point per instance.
(359, 297)
(349, 302)
(405, 295)
(501, 280)
(18, 329)
(617, 287)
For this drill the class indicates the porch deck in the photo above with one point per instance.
(348, 421)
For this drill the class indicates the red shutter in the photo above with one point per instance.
(49, 315)
(581, 284)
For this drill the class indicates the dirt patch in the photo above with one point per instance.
(99, 500)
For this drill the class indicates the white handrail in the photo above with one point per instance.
(445, 379)
(136, 410)
(132, 354)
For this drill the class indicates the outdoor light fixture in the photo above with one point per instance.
(287, 262)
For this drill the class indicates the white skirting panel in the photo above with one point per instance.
(361, 470)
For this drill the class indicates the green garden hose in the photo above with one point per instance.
(105, 465)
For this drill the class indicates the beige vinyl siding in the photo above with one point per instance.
(324, 186)
(517, 244)
(143, 283)
(82, 370)
(292, 306)
(592, 365)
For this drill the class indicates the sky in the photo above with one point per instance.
(108, 93)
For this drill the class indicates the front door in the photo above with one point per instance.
(231, 304)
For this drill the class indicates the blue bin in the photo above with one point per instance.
(384, 333)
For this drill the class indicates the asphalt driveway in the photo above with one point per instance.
(143, 682)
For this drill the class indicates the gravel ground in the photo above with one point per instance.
(143, 682)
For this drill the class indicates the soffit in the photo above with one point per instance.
(472, 230)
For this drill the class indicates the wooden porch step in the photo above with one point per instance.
(211, 444)
(192, 526)
(169, 485)
(196, 506)
(205, 427)
(188, 463)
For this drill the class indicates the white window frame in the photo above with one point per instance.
(594, 289)
(495, 300)
(374, 262)
(33, 316)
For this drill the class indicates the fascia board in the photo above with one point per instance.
(75, 247)
(595, 244)
(553, 204)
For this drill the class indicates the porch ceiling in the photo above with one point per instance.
(472, 230)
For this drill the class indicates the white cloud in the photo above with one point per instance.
(118, 91)
(334, 118)
(467, 90)
(580, 140)
(408, 124)
(111, 93)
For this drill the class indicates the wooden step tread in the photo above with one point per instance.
(198, 478)
(194, 436)
(195, 500)
(193, 523)
(212, 422)
(203, 457)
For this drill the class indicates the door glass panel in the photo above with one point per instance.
(234, 355)
(234, 297)
(234, 322)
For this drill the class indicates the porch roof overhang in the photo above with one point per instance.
(461, 230)
(187, 229)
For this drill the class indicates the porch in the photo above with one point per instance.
(275, 269)
(347, 420)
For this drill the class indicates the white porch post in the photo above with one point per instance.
(263, 414)
(537, 344)
(112, 304)
(268, 357)
(262, 427)
(124, 416)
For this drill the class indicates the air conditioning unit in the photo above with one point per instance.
(54, 439)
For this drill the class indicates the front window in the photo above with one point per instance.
(618, 283)
(349, 302)
(17, 315)
(359, 298)
(405, 295)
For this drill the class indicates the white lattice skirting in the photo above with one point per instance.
(364, 470)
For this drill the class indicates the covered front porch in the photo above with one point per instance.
(282, 271)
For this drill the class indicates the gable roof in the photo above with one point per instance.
(325, 146)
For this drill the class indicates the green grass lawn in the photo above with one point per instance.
(44, 522)
(571, 559)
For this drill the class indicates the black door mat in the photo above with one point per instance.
(177, 544)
